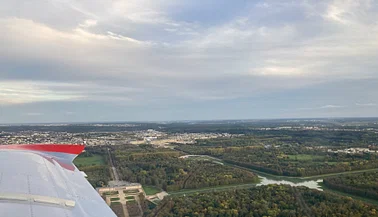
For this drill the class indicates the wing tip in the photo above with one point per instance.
(59, 148)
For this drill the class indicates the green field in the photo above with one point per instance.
(150, 190)
(305, 157)
(114, 199)
(333, 163)
(94, 160)
(111, 193)
(129, 197)
(131, 191)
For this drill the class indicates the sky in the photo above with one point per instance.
(140, 60)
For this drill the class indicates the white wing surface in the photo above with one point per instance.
(41, 181)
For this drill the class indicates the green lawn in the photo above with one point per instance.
(150, 190)
(111, 193)
(203, 158)
(81, 161)
(129, 197)
(333, 163)
(305, 157)
(114, 199)
(131, 191)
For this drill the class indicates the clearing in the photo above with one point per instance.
(151, 190)
(305, 157)
(93, 160)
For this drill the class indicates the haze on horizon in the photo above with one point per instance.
(139, 60)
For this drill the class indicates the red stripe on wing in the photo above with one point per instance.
(64, 148)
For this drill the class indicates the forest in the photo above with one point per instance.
(164, 169)
(307, 163)
(364, 184)
(271, 200)
(304, 138)
(290, 153)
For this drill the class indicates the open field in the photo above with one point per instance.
(114, 199)
(150, 190)
(133, 191)
(305, 157)
(93, 160)
(111, 193)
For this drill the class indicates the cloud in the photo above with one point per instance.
(33, 114)
(279, 71)
(331, 106)
(151, 52)
(366, 104)
(20, 92)
(325, 107)
(88, 23)
(23, 92)
(347, 11)
(37, 31)
(263, 5)
(140, 11)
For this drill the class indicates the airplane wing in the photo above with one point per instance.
(41, 181)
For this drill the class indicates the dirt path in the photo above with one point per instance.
(115, 173)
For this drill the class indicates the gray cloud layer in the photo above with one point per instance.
(141, 53)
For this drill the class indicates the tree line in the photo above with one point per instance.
(287, 160)
(364, 185)
(164, 169)
(272, 200)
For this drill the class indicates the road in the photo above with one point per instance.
(115, 173)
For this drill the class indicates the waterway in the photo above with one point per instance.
(313, 184)
(267, 179)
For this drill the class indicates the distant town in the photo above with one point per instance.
(155, 169)
(131, 134)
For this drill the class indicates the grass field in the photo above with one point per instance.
(114, 199)
(333, 163)
(305, 157)
(129, 197)
(111, 193)
(150, 190)
(130, 191)
(204, 158)
(81, 161)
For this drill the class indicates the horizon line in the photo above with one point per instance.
(182, 121)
